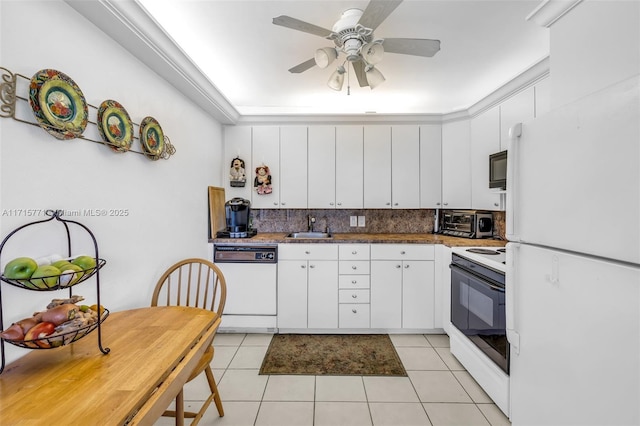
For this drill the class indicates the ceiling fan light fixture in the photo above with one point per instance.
(374, 77)
(325, 56)
(337, 79)
(372, 53)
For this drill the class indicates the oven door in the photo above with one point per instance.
(478, 311)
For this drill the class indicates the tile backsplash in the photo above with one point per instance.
(419, 221)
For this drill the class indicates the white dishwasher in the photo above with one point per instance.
(250, 271)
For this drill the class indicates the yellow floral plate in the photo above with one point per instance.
(58, 104)
(151, 138)
(114, 125)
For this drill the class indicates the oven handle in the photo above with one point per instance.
(484, 280)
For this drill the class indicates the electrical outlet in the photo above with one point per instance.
(361, 222)
(353, 220)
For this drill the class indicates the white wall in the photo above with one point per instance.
(166, 200)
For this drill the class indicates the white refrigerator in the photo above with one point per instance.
(573, 262)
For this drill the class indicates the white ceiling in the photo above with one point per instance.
(484, 44)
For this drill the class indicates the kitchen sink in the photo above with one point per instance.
(309, 235)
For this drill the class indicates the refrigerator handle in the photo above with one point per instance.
(510, 297)
(512, 182)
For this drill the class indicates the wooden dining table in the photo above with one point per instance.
(152, 352)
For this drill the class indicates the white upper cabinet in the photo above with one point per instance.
(266, 152)
(321, 167)
(456, 165)
(377, 167)
(349, 167)
(293, 167)
(517, 109)
(431, 166)
(405, 167)
(485, 140)
(542, 91)
(237, 144)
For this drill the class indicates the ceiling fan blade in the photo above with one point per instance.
(303, 66)
(411, 46)
(377, 11)
(358, 69)
(296, 24)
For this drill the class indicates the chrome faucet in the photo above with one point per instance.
(310, 221)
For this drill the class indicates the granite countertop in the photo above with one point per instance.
(280, 237)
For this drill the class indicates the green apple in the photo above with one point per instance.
(61, 264)
(45, 276)
(20, 268)
(70, 274)
(87, 263)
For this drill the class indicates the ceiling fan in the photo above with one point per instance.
(353, 36)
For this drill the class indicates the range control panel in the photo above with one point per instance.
(244, 253)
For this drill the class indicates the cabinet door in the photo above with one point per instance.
(323, 294)
(485, 140)
(349, 167)
(377, 167)
(266, 151)
(418, 294)
(386, 294)
(321, 167)
(293, 167)
(431, 166)
(456, 165)
(237, 143)
(292, 294)
(405, 167)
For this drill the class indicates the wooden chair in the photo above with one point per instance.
(196, 283)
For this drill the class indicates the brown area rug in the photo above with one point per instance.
(332, 354)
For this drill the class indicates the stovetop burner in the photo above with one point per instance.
(483, 251)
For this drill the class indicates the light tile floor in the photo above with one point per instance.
(438, 390)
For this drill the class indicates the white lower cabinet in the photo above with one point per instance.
(402, 286)
(358, 286)
(307, 286)
(354, 285)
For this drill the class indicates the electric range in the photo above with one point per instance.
(491, 257)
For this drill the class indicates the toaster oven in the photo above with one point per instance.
(467, 223)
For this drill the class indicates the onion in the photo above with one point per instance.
(13, 333)
(60, 314)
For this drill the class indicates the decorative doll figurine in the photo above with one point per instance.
(237, 177)
(262, 182)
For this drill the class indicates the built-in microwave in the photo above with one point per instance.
(498, 170)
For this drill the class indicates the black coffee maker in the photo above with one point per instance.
(237, 211)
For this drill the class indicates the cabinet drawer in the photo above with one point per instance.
(307, 251)
(353, 316)
(354, 281)
(353, 252)
(354, 296)
(402, 252)
(353, 267)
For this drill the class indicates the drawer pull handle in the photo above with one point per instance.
(354, 282)
(313, 266)
(303, 266)
(354, 267)
(398, 266)
(307, 252)
(355, 311)
(355, 296)
(354, 252)
(403, 252)
(406, 266)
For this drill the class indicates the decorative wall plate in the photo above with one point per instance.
(58, 104)
(151, 138)
(114, 125)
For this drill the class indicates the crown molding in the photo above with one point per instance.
(129, 24)
(549, 11)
